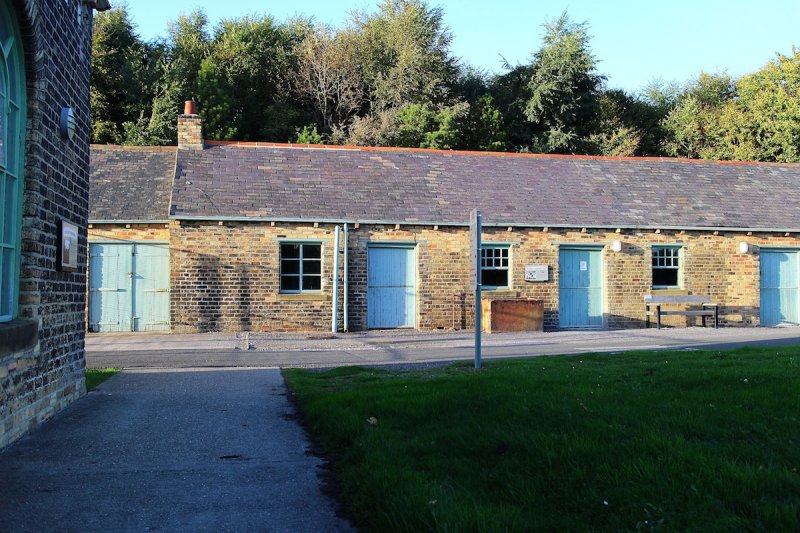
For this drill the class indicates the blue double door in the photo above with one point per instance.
(580, 288)
(391, 287)
(128, 287)
(780, 285)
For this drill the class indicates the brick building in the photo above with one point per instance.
(246, 232)
(44, 183)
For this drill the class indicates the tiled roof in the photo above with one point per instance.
(395, 185)
(130, 183)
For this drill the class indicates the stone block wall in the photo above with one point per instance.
(43, 377)
(226, 276)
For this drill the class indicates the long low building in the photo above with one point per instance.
(226, 236)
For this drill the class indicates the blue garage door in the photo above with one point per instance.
(391, 291)
(580, 288)
(128, 287)
(780, 282)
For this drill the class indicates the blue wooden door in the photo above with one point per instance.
(151, 287)
(110, 267)
(580, 285)
(391, 291)
(779, 288)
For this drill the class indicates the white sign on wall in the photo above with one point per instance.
(536, 273)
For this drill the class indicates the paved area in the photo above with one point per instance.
(130, 350)
(169, 450)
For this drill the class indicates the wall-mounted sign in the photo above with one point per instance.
(536, 273)
(68, 247)
(584, 266)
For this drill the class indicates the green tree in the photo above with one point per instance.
(405, 54)
(695, 128)
(770, 97)
(564, 88)
(245, 84)
(120, 62)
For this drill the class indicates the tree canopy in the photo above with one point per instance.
(389, 77)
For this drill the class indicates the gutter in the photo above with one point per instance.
(136, 221)
(485, 224)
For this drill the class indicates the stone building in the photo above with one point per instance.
(246, 236)
(44, 185)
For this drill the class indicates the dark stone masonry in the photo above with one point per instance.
(42, 350)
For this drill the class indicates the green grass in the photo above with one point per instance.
(691, 440)
(95, 376)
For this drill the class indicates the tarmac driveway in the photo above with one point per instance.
(169, 450)
(128, 350)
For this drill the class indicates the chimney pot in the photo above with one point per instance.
(190, 107)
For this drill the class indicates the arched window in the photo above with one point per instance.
(12, 150)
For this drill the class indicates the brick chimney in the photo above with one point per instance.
(190, 127)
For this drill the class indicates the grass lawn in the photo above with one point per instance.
(95, 376)
(700, 440)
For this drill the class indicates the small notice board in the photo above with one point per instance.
(535, 273)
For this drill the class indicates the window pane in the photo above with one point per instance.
(312, 266)
(3, 128)
(494, 278)
(10, 209)
(312, 251)
(6, 283)
(290, 266)
(4, 214)
(290, 283)
(11, 145)
(312, 283)
(290, 251)
(665, 277)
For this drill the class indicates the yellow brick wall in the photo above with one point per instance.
(134, 232)
(226, 277)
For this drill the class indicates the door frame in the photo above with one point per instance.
(407, 245)
(776, 249)
(134, 243)
(591, 247)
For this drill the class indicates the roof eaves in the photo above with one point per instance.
(300, 220)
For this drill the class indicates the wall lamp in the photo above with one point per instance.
(616, 246)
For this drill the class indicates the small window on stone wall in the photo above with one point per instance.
(301, 267)
(494, 266)
(666, 266)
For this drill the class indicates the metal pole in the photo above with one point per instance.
(335, 313)
(478, 292)
(344, 303)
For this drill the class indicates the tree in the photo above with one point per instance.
(329, 77)
(770, 97)
(120, 61)
(564, 87)
(405, 54)
(695, 126)
(245, 84)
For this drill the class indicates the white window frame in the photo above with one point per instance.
(676, 256)
(494, 266)
(300, 274)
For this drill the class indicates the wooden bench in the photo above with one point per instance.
(706, 307)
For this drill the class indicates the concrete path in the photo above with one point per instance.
(169, 450)
(128, 350)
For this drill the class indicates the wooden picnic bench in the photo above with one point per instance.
(655, 301)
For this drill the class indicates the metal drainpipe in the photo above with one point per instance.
(344, 303)
(335, 312)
